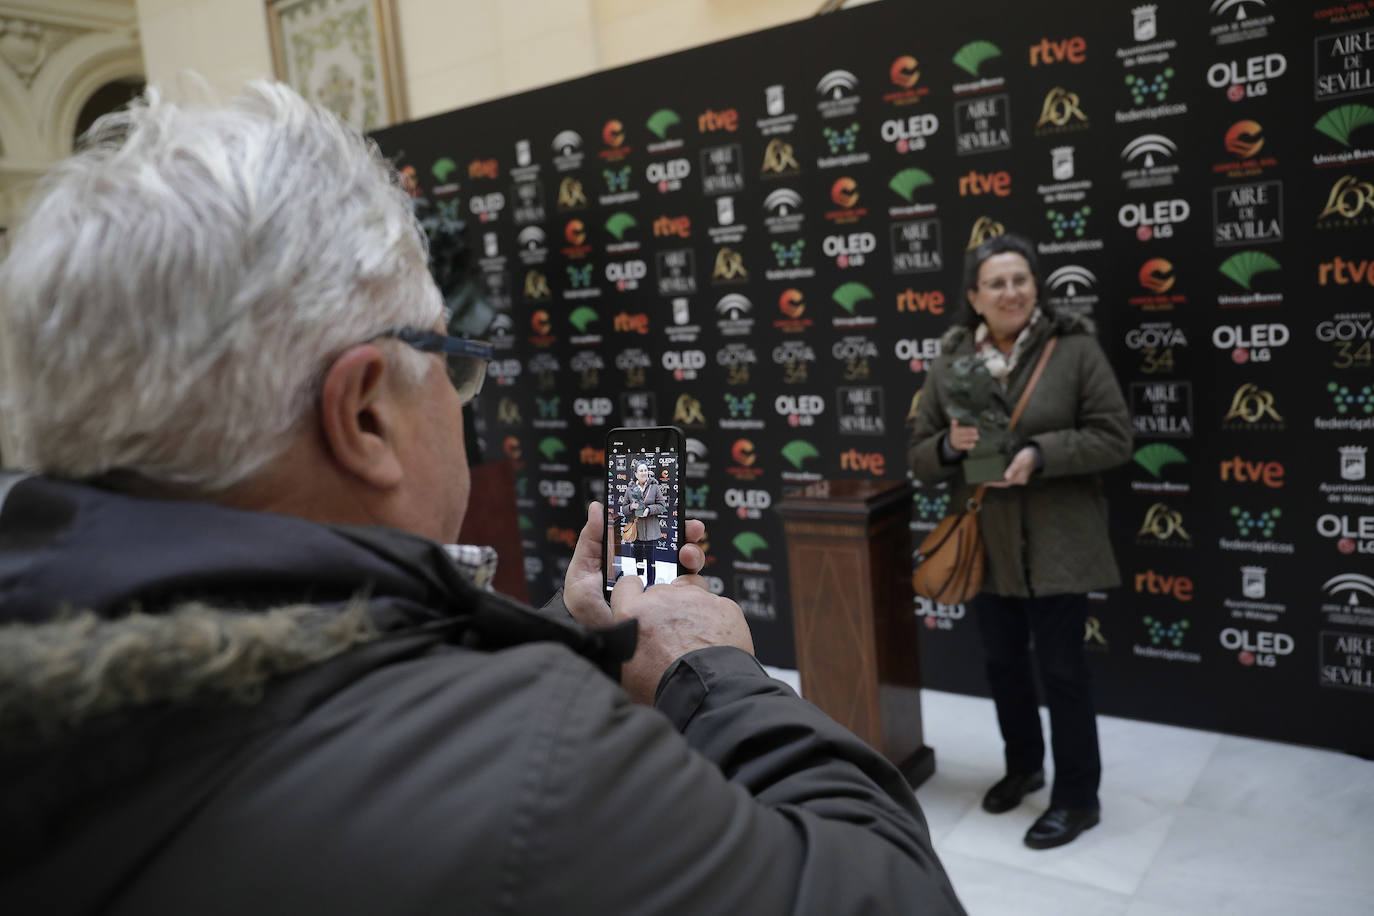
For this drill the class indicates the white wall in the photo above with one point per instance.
(456, 53)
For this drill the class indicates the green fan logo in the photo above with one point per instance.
(444, 167)
(552, 447)
(746, 542)
(850, 295)
(1154, 457)
(1243, 266)
(797, 451)
(583, 316)
(660, 121)
(972, 55)
(617, 224)
(905, 183)
(1340, 123)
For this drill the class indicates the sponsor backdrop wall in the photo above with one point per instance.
(760, 242)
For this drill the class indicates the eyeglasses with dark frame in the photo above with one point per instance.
(465, 359)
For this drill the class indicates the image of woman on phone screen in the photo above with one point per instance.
(644, 504)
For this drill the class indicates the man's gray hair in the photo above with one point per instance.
(180, 285)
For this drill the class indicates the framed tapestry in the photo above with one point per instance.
(342, 54)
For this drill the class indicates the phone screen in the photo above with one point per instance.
(643, 469)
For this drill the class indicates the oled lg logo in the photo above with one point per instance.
(1248, 78)
(911, 134)
(1154, 220)
(1261, 648)
(1352, 533)
(748, 503)
(799, 409)
(1253, 343)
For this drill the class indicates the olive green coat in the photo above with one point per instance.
(1055, 526)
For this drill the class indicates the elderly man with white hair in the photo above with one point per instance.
(239, 671)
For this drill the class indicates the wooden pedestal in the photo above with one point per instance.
(849, 549)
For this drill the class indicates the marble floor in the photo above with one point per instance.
(1192, 823)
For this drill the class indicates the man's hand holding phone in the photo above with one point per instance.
(584, 584)
(673, 620)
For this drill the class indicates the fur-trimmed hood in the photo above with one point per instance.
(110, 604)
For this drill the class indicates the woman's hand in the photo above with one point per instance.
(1020, 469)
(962, 437)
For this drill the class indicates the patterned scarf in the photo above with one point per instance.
(999, 364)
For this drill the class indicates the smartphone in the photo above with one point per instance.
(645, 526)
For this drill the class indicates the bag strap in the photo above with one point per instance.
(1035, 377)
(976, 502)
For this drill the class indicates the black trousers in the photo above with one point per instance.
(644, 550)
(1055, 625)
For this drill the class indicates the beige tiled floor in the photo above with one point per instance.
(1192, 823)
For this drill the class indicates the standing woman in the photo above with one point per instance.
(1044, 525)
(644, 502)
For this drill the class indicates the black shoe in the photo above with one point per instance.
(1058, 826)
(1008, 791)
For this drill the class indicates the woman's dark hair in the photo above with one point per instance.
(973, 262)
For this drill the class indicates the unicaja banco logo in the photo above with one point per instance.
(748, 543)
(1243, 266)
(798, 451)
(971, 57)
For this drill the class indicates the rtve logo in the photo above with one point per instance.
(709, 121)
(855, 460)
(976, 183)
(680, 226)
(1343, 273)
(1152, 583)
(1069, 50)
(913, 301)
(1239, 470)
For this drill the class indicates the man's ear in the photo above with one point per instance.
(358, 417)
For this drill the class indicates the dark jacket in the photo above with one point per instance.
(1055, 526)
(652, 504)
(389, 739)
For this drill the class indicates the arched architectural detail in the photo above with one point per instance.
(73, 75)
(17, 124)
